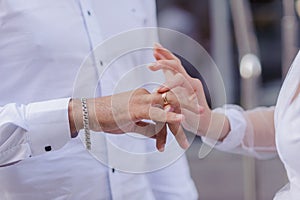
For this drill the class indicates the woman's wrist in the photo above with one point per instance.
(217, 126)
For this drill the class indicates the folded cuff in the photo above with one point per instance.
(237, 129)
(48, 125)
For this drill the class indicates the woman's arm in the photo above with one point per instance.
(250, 132)
(230, 128)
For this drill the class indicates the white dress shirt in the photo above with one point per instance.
(43, 44)
(287, 133)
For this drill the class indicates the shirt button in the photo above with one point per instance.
(89, 13)
(113, 170)
(101, 63)
(48, 148)
(145, 21)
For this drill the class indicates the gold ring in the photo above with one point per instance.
(164, 97)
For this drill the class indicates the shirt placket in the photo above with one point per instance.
(95, 38)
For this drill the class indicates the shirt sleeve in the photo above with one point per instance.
(251, 133)
(33, 129)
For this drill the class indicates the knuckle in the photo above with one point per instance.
(161, 62)
(179, 77)
(197, 82)
(178, 61)
(142, 91)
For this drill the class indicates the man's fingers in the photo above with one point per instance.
(177, 99)
(156, 131)
(179, 134)
(161, 136)
(145, 128)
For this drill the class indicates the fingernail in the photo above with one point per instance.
(201, 109)
(186, 144)
(156, 44)
(167, 108)
(152, 64)
(179, 116)
(163, 89)
(158, 89)
(162, 149)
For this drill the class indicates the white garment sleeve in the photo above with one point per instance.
(251, 133)
(33, 129)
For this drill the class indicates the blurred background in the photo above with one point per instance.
(253, 43)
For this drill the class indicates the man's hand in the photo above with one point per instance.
(125, 112)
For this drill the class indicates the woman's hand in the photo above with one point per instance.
(179, 82)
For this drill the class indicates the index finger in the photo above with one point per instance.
(168, 55)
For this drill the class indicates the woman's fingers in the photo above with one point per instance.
(157, 55)
(167, 65)
(159, 132)
(177, 81)
(184, 100)
(191, 121)
(159, 49)
(159, 115)
(177, 99)
(179, 134)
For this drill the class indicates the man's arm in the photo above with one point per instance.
(33, 129)
(28, 130)
(125, 112)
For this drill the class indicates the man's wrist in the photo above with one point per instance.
(75, 116)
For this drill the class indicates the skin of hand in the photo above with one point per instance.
(204, 123)
(125, 112)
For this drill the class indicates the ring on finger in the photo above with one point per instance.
(165, 99)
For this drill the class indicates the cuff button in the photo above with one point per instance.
(48, 148)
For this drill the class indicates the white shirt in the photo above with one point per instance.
(287, 133)
(43, 44)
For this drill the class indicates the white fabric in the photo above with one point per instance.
(50, 117)
(252, 132)
(43, 44)
(238, 128)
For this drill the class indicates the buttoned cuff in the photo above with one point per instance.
(237, 129)
(48, 125)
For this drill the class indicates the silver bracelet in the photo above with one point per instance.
(86, 125)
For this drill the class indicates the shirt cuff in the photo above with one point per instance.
(48, 125)
(237, 129)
